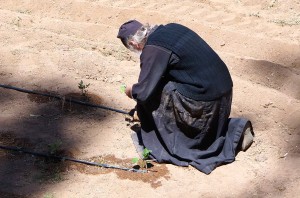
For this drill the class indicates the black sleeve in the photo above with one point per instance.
(154, 63)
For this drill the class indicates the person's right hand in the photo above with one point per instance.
(128, 91)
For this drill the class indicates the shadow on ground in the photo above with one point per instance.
(38, 124)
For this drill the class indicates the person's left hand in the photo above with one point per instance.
(133, 114)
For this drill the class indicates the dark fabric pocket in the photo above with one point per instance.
(191, 116)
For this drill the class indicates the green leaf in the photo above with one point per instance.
(123, 88)
(135, 160)
(80, 85)
(146, 153)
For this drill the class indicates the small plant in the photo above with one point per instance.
(256, 14)
(17, 21)
(54, 147)
(83, 87)
(272, 4)
(48, 195)
(123, 88)
(286, 22)
(143, 163)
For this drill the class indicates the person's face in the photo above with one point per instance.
(135, 47)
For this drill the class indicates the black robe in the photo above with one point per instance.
(178, 129)
(185, 132)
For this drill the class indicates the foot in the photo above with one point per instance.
(247, 139)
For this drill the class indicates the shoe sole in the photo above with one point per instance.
(248, 138)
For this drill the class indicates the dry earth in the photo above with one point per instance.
(50, 46)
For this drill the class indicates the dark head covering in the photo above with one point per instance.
(127, 29)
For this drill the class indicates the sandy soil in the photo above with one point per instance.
(50, 46)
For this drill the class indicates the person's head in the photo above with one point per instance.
(133, 35)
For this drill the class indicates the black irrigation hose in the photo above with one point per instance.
(62, 98)
(16, 149)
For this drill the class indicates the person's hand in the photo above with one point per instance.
(135, 117)
(133, 114)
(128, 91)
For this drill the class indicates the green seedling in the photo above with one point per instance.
(123, 88)
(143, 163)
(48, 195)
(83, 87)
(54, 147)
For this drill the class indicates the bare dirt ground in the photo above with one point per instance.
(50, 46)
